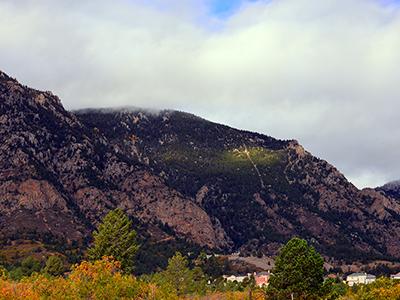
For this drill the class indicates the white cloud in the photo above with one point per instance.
(323, 72)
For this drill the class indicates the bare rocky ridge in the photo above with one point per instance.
(215, 186)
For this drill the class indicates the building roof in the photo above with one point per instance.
(263, 273)
(358, 274)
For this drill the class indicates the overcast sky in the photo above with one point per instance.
(326, 73)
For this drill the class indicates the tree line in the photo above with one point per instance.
(108, 274)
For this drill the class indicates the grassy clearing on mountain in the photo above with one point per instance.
(236, 167)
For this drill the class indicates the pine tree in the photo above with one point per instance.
(181, 278)
(298, 272)
(178, 273)
(54, 266)
(115, 237)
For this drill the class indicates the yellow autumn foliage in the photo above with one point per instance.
(97, 280)
(381, 289)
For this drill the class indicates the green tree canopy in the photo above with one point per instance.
(178, 273)
(54, 266)
(298, 271)
(213, 266)
(28, 266)
(115, 237)
(179, 278)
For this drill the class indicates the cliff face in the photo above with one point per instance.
(215, 186)
(58, 177)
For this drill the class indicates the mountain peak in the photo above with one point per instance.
(2, 74)
(12, 92)
(5, 76)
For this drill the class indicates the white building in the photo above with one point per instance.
(360, 278)
(395, 276)
(234, 278)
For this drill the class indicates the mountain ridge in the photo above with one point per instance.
(213, 185)
(332, 177)
(73, 162)
(391, 189)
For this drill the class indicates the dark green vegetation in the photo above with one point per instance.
(298, 271)
(153, 257)
(115, 237)
(53, 266)
(180, 278)
(28, 266)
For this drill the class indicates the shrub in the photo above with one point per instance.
(54, 266)
(101, 279)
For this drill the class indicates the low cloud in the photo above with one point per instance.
(323, 72)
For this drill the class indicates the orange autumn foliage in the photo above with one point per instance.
(101, 279)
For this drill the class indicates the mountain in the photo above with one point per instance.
(262, 190)
(58, 178)
(391, 189)
(182, 178)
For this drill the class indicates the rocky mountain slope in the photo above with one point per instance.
(262, 190)
(391, 189)
(181, 176)
(58, 178)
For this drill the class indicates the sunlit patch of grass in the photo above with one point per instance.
(233, 166)
(260, 156)
(223, 161)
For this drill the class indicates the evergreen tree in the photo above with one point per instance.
(115, 237)
(181, 278)
(213, 266)
(54, 266)
(333, 289)
(298, 272)
(178, 273)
